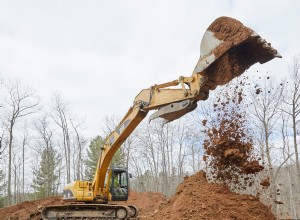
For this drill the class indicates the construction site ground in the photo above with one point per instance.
(195, 198)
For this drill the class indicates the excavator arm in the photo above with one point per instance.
(227, 49)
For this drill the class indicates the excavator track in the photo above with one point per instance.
(89, 212)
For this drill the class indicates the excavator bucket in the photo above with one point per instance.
(228, 48)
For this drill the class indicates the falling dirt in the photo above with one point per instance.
(265, 182)
(229, 146)
(232, 153)
(196, 199)
(250, 167)
(258, 91)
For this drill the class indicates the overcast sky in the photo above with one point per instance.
(99, 54)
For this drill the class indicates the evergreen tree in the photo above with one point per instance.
(45, 177)
(118, 159)
(93, 154)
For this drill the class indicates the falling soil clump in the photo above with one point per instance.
(250, 167)
(265, 182)
(257, 91)
(197, 199)
(232, 153)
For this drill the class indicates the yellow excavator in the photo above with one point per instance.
(227, 49)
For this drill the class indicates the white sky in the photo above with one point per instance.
(99, 54)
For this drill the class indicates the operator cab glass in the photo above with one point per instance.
(119, 185)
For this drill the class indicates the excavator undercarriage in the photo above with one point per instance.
(90, 212)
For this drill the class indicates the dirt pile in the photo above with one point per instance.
(29, 209)
(147, 202)
(196, 199)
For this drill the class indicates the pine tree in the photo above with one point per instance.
(93, 154)
(45, 177)
(118, 159)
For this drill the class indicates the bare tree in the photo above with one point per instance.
(24, 143)
(266, 102)
(60, 116)
(287, 162)
(293, 103)
(148, 151)
(21, 102)
(79, 144)
(16, 165)
(48, 170)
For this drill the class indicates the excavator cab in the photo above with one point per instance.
(119, 184)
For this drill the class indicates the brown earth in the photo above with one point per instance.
(265, 182)
(29, 209)
(196, 199)
(147, 202)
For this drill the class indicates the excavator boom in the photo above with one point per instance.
(227, 49)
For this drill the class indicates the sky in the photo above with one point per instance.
(98, 55)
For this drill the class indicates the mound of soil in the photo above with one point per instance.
(147, 202)
(195, 198)
(29, 209)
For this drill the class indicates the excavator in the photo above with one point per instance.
(227, 49)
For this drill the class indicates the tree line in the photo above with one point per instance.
(44, 147)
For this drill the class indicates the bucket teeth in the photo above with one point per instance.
(261, 40)
(277, 55)
(267, 46)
